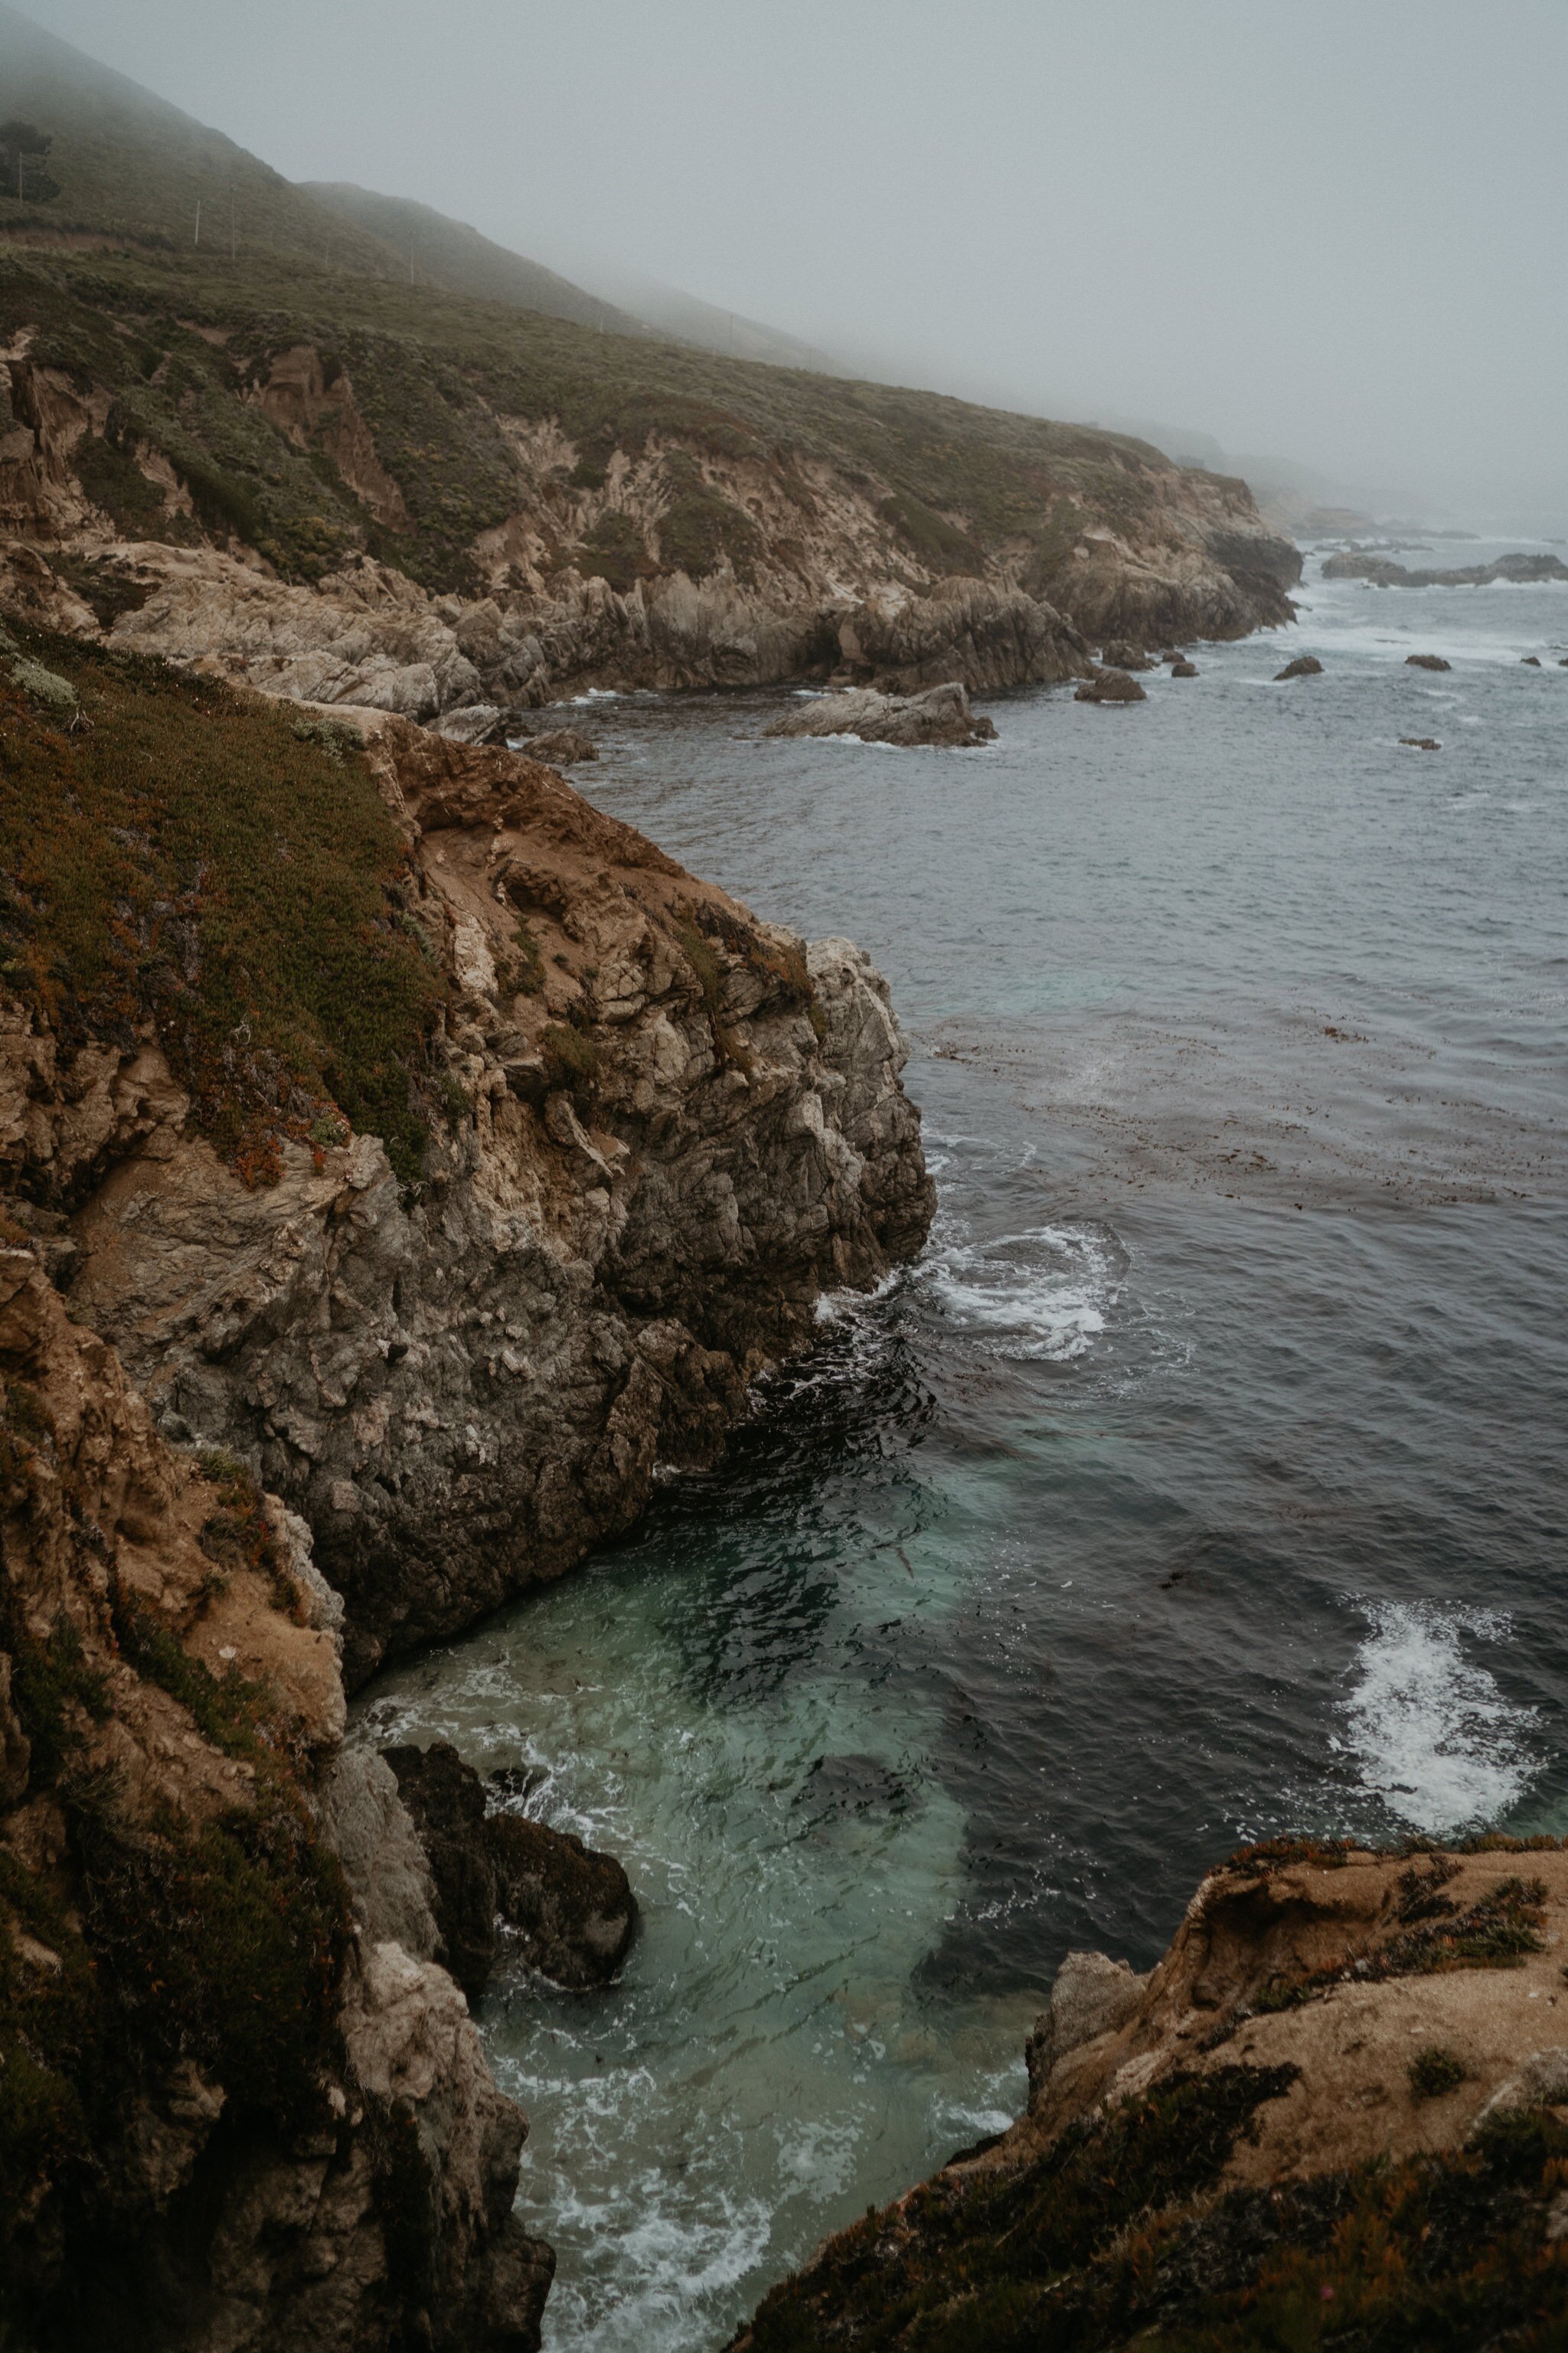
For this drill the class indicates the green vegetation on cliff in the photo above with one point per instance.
(223, 871)
(181, 342)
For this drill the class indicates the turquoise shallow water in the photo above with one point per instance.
(1204, 1478)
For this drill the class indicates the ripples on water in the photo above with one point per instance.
(1204, 1479)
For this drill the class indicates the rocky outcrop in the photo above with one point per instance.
(1341, 2086)
(236, 2108)
(669, 1129)
(570, 1908)
(570, 1911)
(1522, 570)
(561, 748)
(940, 715)
(1110, 686)
(1427, 661)
(1304, 666)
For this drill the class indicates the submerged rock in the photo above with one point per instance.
(940, 715)
(1421, 742)
(1427, 661)
(1110, 686)
(1304, 666)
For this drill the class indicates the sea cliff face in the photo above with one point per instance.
(1337, 2104)
(669, 1128)
(239, 2104)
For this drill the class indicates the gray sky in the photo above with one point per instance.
(1332, 230)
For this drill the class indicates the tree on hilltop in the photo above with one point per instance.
(23, 147)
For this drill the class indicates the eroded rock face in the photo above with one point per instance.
(1091, 1994)
(940, 715)
(305, 2150)
(446, 1802)
(793, 560)
(661, 1150)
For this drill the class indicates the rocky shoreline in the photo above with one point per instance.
(516, 512)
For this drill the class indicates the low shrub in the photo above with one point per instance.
(1432, 2072)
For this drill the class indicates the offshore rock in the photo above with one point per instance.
(1304, 666)
(673, 1127)
(561, 748)
(571, 1910)
(1183, 670)
(940, 715)
(1522, 570)
(1110, 686)
(1426, 661)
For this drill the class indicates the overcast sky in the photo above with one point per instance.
(1336, 229)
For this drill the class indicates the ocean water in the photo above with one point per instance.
(1204, 1479)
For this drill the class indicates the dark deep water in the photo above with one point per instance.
(1205, 1478)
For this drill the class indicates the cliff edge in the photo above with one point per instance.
(1336, 2113)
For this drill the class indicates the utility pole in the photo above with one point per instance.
(199, 235)
(232, 234)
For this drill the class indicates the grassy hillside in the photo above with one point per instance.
(122, 162)
(151, 866)
(116, 162)
(449, 255)
(431, 375)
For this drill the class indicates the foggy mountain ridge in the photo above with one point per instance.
(129, 163)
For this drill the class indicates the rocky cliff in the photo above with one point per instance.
(1337, 2112)
(347, 492)
(389, 1138)
(457, 1239)
(239, 2104)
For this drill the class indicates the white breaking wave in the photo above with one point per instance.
(1433, 1737)
(1044, 1292)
